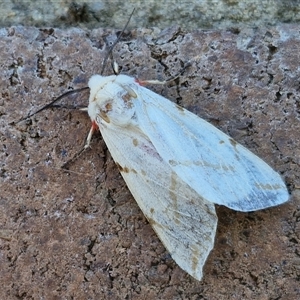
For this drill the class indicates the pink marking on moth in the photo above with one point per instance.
(140, 82)
(150, 150)
(94, 125)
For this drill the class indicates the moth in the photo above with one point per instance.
(177, 166)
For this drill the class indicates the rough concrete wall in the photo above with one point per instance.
(79, 234)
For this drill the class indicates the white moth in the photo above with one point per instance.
(177, 165)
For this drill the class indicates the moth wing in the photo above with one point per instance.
(209, 161)
(183, 220)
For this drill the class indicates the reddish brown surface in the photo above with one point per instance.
(80, 234)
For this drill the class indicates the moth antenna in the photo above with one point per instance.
(53, 102)
(113, 45)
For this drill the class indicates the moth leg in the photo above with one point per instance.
(91, 132)
(145, 82)
(87, 144)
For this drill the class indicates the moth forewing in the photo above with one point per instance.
(184, 221)
(213, 164)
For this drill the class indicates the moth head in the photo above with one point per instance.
(111, 100)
